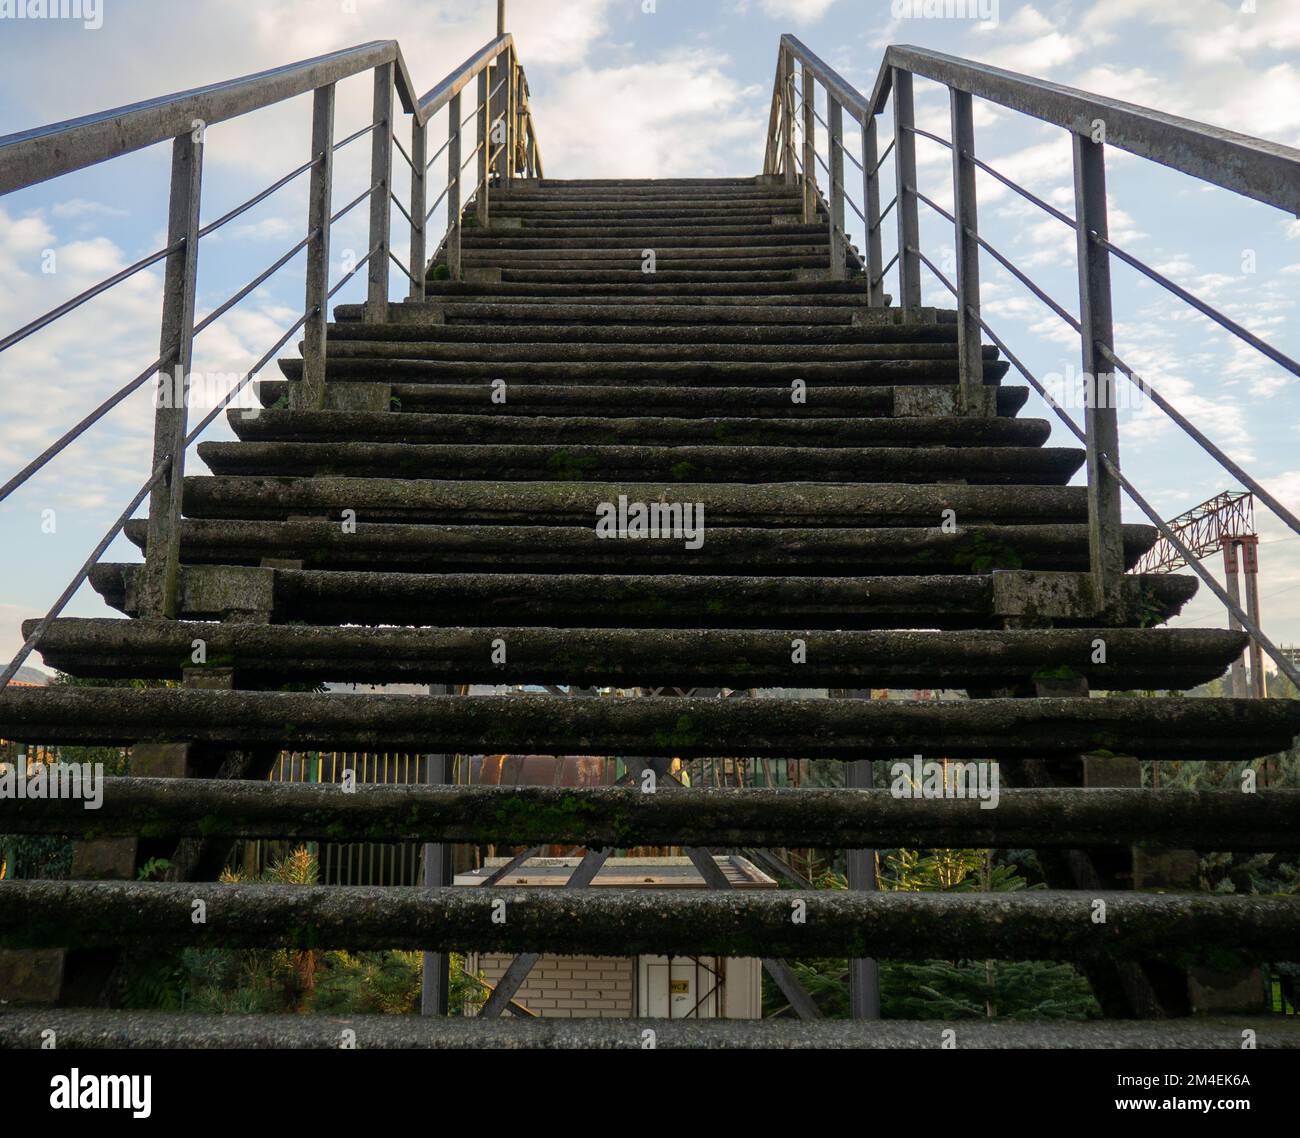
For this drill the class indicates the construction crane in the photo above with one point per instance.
(1226, 522)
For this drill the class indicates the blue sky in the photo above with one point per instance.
(626, 88)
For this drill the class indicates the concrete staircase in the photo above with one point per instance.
(446, 499)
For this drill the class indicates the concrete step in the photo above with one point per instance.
(592, 311)
(554, 549)
(673, 261)
(823, 293)
(623, 600)
(640, 431)
(636, 657)
(673, 402)
(829, 508)
(666, 279)
(1225, 730)
(663, 236)
(583, 462)
(527, 350)
(92, 1030)
(625, 816)
(724, 372)
(836, 327)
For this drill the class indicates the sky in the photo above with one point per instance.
(627, 88)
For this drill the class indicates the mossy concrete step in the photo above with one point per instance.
(672, 310)
(712, 261)
(730, 291)
(617, 236)
(683, 254)
(826, 506)
(664, 279)
(674, 402)
(619, 600)
(837, 326)
(724, 372)
(638, 657)
(648, 350)
(647, 430)
(95, 1030)
(1225, 730)
(578, 549)
(723, 461)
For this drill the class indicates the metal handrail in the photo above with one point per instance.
(1261, 170)
(29, 158)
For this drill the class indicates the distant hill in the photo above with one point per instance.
(29, 675)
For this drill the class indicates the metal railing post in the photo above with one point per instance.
(453, 187)
(381, 179)
(871, 207)
(809, 148)
(909, 239)
(419, 195)
(787, 117)
(482, 209)
(160, 579)
(310, 392)
(835, 132)
(969, 355)
(1101, 422)
(508, 95)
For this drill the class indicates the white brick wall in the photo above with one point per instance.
(568, 987)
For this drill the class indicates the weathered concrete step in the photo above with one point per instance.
(615, 600)
(682, 255)
(1055, 818)
(615, 236)
(553, 549)
(1174, 727)
(836, 327)
(730, 291)
(725, 372)
(644, 205)
(774, 215)
(526, 185)
(829, 507)
(585, 462)
(637, 657)
(641, 431)
(716, 262)
(674, 402)
(665, 279)
(648, 350)
(91, 1030)
(716, 312)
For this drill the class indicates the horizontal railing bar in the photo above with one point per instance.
(438, 200)
(1226, 322)
(1024, 193)
(394, 258)
(404, 211)
(358, 134)
(624, 816)
(437, 154)
(885, 270)
(266, 274)
(95, 290)
(1030, 924)
(1206, 444)
(1283, 663)
(73, 433)
(440, 95)
(356, 201)
(59, 605)
(1265, 171)
(932, 204)
(883, 155)
(926, 134)
(397, 144)
(266, 193)
(34, 156)
(1023, 279)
